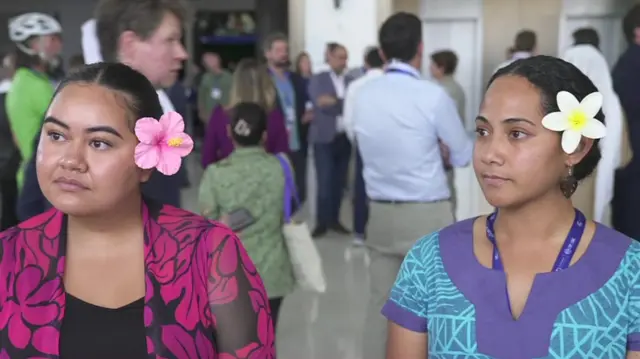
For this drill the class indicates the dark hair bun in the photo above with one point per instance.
(248, 123)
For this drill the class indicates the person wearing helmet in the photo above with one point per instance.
(38, 46)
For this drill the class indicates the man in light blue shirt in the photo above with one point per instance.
(399, 119)
(373, 64)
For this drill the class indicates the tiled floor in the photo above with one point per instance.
(327, 326)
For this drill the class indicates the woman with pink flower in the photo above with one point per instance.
(106, 273)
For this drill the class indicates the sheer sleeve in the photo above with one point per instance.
(238, 300)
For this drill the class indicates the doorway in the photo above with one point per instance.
(459, 28)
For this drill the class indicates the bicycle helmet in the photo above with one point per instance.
(31, 24)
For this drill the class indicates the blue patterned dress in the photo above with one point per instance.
(590, 310)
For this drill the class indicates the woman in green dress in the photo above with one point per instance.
(253, 180)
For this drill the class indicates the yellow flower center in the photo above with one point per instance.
(577, 120)
(174, 142)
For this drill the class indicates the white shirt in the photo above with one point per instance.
(90, 43)
(5, 85)
(593, 64)
(339, 85)
(347, 112)
(516, 56)
(165, 102)
(398, 119)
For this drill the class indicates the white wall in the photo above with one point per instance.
(353, 25)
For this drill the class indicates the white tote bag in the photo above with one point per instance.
(306, 261)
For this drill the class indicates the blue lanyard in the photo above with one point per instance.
(564, 257)
(287, 97)
(404, 72)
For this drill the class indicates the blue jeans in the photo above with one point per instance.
(332, 165)
(360, 200)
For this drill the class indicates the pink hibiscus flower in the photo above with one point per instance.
(162, 143)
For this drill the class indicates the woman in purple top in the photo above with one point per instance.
(534, 279)
(251, 83)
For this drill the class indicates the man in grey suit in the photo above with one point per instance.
(331, 147)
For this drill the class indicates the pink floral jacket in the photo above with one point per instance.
(193, 265)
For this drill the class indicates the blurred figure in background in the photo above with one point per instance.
(151, 45)
(586, 36)
(252, 180)
(9, 152)
(331, 147)
(399, 121)
(251, 83)
(214, 87)
(293, 96)
(595, 193)
(303, 66)
(75, 62)
(145, 35)
(443, 67)
(359, 71)
(38, 46)
(374, 64)
(524, 46)
(626, 83)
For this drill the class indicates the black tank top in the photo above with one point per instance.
(90, 331)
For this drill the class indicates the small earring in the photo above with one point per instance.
(569, 184)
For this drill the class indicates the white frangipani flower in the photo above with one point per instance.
(576, 119)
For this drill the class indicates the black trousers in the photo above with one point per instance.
(9, 206)
(275, 304)
(299, 163)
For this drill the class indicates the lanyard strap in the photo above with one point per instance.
(566, 253)
(564, 257)
(403, 72)
(288, 94)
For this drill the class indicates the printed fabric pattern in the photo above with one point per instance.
(204, 298)
(251, 178)
(603, 325)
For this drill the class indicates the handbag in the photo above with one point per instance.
(304, 256)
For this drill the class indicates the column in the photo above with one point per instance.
(296, 26)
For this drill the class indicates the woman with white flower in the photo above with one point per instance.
(534, 279)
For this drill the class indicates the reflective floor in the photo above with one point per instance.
(327, 326)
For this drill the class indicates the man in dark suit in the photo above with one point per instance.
(626, 83)
(9, 157)
(293, 99)
(331, 147)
